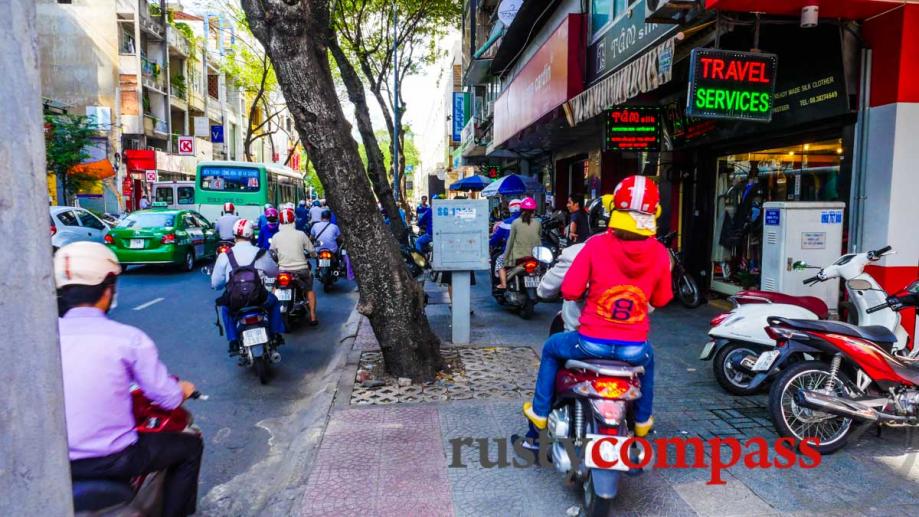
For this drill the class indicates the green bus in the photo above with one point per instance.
(247, 185)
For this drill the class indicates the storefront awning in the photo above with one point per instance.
(140, 159)
(99, 169)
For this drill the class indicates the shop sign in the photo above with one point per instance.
(217, 134)
(731, 85)
(492, 171)
(773, 217)
(635, 128)
(627, 38)
(458, 116)
(151, 176)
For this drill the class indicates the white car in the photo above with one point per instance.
(72, 224)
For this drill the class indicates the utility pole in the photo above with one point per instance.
(395, 101)
(34, 467)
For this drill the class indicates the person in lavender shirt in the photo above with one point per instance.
(101, 359)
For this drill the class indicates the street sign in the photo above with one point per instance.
(202, 127)
(186, 145)
(217, 134)
(633, 129)
(460, 234)
(731, 85)
(151, 176)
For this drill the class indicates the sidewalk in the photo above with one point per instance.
(388, 450)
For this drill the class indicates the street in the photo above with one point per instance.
(182, 325)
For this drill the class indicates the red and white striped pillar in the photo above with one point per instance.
(891, 204)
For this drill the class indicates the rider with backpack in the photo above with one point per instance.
(241, 270)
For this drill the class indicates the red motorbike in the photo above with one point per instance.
(855, 381)
(142, 495)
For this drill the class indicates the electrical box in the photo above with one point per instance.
(460, 234)
(807, 231)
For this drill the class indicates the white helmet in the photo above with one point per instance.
(243, 228)
(84, 263)
(268, 205)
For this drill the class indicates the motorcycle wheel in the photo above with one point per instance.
(526, 312)
(594, 505)
(327, 284)
(262, 369)
(688, 291)
(797, 422)
(732, 380)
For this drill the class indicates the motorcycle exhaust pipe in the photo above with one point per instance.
(275, 357)
(835, 405)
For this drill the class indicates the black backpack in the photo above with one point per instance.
(244, 287)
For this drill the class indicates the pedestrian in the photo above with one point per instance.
(144, 203)
(578, 228)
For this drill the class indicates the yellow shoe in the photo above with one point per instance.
(643, 428)
(536, 420)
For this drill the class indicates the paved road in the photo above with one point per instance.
(177, 311)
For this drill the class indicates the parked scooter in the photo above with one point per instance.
(856, 379)
(522, 281)
(739, 337)
(142, 495)
(685, 286)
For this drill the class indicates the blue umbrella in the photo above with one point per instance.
(512, 185)
(475, 182)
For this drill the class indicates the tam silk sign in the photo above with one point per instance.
(731, 85)
(633, 129)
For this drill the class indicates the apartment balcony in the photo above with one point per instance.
(178, 43)
(179, 93)
(150, 21)
(154, 127)
(196, 101)
(152, 75)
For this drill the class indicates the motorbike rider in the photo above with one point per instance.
(226, 221)
(502, 231)
(267, 230)
(526, 234)
(294, 249)
(245, 253)
(303, 216)
(426, 223)
(628, 273)
(100, 360)
(315, 213)
(422, 208)
(262, 219)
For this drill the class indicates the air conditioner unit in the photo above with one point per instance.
(670, 11)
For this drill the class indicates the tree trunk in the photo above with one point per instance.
(295, 34)
(376, 164)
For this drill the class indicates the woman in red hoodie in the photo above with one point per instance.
(624, 273)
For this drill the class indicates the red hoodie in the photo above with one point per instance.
(624, 277)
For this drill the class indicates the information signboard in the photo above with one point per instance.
(460, 234)
(733, 85)
(633, 129)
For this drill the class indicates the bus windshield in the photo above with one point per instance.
(229, 179)
(148, 220)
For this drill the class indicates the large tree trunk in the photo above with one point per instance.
(376, 164)
(295, 33)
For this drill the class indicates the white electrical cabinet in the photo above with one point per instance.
(808, 231)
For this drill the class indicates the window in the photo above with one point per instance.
(230, 179)
(600, 14)
(186, 195)
(213, 86)
(190, 221)
(202, 222)
(88, 220)
(165, 195)
(148, 220)
(67, 218)
(127, 39)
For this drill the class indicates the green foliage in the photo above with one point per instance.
(186, 31)
(312, 179)
(154, 10)
(408, 150)
(67, 137)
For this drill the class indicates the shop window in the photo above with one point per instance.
(803, 172)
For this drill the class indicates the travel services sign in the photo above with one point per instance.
(732, 85)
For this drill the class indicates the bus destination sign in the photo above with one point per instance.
(636, 128)
(731, 85)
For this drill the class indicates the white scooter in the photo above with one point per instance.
(738, 337)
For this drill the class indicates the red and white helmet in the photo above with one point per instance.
(514, 205)
(243, 228)
(229, 208)
(637, 194)
(528, 203)
(288, 216)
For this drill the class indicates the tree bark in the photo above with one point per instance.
(376, 164)
(295, 33)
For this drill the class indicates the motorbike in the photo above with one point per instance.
(856, 379)
(257, 348)
(685, 286)
(224, 247)
(522, 281)
(739, 337)
(294, 305)
(553, 233)
(141, 495)
(329, 268)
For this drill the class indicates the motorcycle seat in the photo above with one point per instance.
(90, 495)
(811, 303)
(605, 367)
(875, 333)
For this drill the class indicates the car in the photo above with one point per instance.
(72, 224)
(163, 236)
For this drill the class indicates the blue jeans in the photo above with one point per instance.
(275, 321)
(568, 345)
(422, 242)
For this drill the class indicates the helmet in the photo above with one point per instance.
(528, 203)
(315, 202)
(514, 205)
(636, 206)
(288, 216)
(271, 214)
(326, 214)
(268, 205)
(229, 208)
(302, 202)
(243, 228)
(322, 201)
(598, 212)
(84, 263)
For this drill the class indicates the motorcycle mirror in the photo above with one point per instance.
(543, 254)
(858, 284)
(799, 265)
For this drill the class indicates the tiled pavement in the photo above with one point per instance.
(394, 459)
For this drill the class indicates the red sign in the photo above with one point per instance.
(186, 145)
(552, 76)
(140, 159)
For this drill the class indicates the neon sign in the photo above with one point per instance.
(633, 129)
(727, 84)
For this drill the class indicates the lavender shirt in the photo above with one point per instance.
(101, 359)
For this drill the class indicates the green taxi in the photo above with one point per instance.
(163, 236)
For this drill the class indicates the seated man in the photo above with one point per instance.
(226, 222)
(244, 253)
(292, 247)
(326, 233)
(628, 273)
(100, 360)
